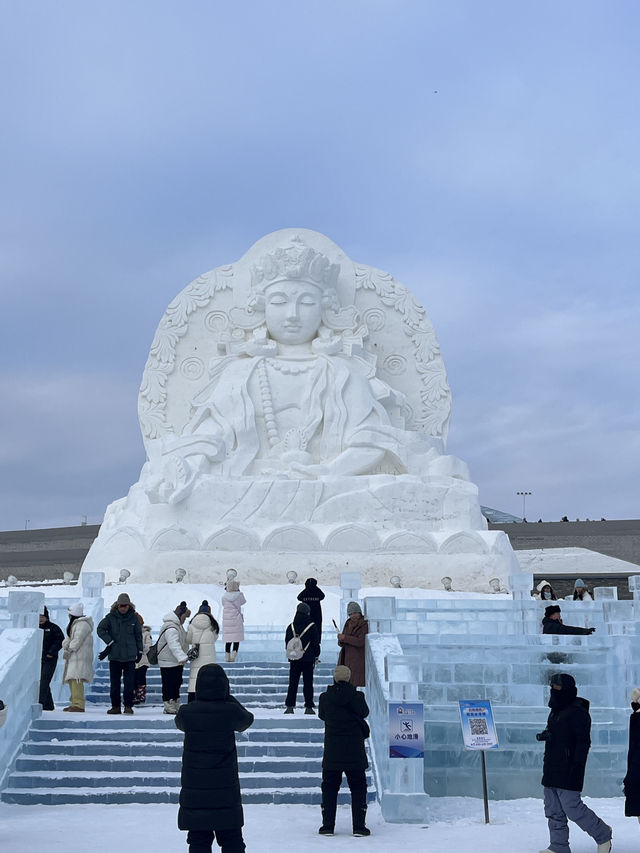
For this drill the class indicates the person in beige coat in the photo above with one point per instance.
(77, 651)
(203, 632)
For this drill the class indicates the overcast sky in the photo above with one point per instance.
(485, 153)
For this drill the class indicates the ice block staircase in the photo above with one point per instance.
(95, 758)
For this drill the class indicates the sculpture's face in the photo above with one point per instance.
(293, 311)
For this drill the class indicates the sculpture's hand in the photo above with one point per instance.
(311, 472)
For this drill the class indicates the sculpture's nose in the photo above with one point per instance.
(292, 310)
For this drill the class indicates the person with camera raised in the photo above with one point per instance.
(553, 624)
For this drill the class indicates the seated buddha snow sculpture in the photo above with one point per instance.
(299, 399)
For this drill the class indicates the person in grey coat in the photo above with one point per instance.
(121, 631)
(567, 740)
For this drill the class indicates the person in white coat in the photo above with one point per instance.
(172, 656)
(232, 620)
(203, 632)
(77, 651)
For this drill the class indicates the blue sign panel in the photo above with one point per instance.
(406, 730)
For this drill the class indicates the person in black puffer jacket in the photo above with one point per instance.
(553, 624)
(631, 781)
(210, 799)
(302, 622)
(313, 595)
(52, 638)
(343, 709)
(567, 740)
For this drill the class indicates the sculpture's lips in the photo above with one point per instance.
(292, 327)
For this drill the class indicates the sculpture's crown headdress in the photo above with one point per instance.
(295, 261)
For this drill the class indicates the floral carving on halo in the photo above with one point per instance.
(162, 356)
(435, 396)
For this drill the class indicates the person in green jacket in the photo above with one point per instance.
(120, 630)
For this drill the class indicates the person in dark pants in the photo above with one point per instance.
(313, 595)
(304, 628)
(51, 644)
(567, 740)
(553, 624)
(210, 799)
(121, 631)
(343, 710)
(631, 781)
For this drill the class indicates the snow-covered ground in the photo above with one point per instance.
(455, 824)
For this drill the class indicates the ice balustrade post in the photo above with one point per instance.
(400, 787)
(92, 584)
(521, 585)
(634, 587)
(24, 608)
(407, 801)
(380, 611)
(350, 583)
(605, 593)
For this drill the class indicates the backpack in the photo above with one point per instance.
(152, 651)
(295, 649)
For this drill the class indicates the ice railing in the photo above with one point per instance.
(440, 650)
(20, 656)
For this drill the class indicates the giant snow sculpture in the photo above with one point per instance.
(294, 409)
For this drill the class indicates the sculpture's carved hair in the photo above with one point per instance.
(296, 261)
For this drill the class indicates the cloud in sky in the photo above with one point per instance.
(484, 154)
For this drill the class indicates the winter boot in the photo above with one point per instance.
(358, 815)
(233, 657)
(128, 710)
(168, 707)
(175, 704)
(309, 711)
(328, 820)
(288, 710)
(114, 710)
(227, 657)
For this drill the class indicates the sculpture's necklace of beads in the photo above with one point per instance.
(266, 396)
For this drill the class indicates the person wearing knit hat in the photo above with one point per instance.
(567, 739)
(341, 673)
(631, 782)
(77, 651)
(52, 639)
(302, 632)
(232, 619)
(545, 592)
(121, 632)
(201, 636)
(580, 591)
(343, 710)
(351, 640)
(313, 596)
(172, 655)
(553, 624)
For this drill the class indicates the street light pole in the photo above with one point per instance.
(524, 498)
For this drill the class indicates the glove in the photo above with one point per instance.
(592, 630)
(139, 657)
(104, 652)
(544, 736)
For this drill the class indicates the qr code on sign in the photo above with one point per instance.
(478, 726)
